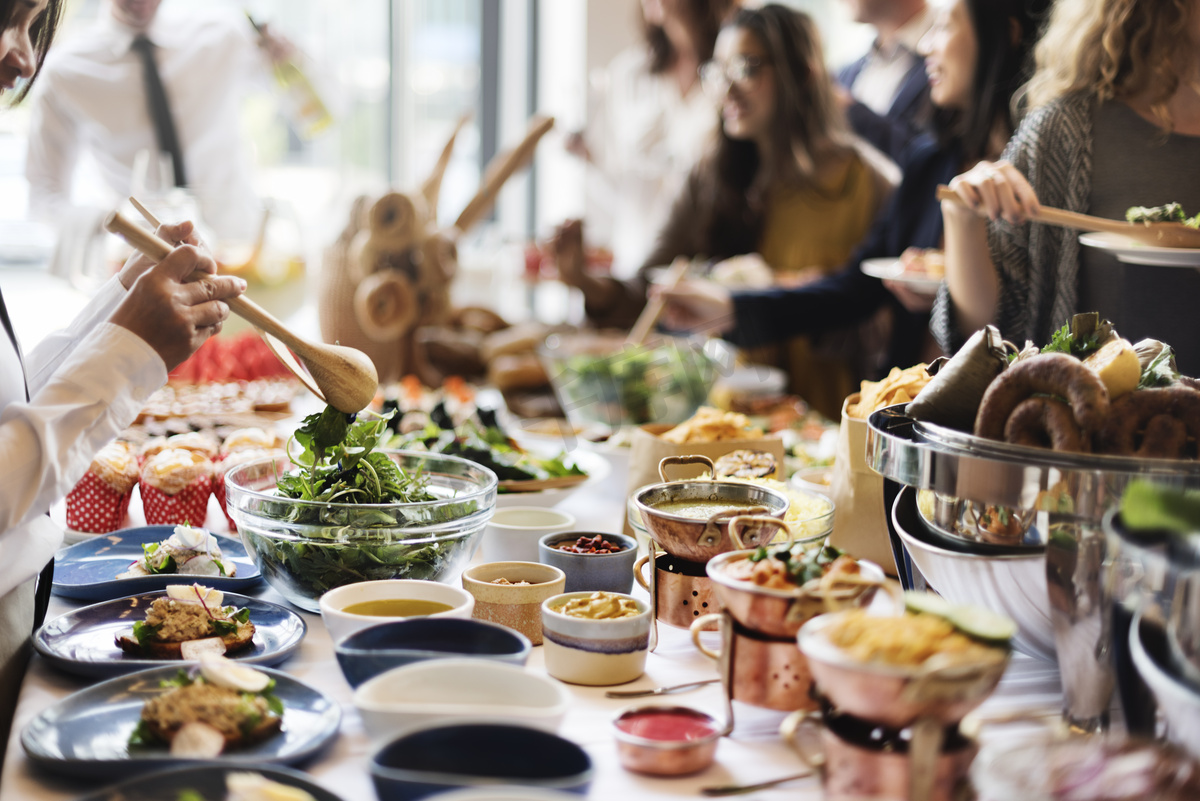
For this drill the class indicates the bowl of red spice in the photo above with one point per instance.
(591, 560)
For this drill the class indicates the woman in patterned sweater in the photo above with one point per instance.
(1114, 122)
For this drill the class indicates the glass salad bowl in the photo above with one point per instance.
(305, 548)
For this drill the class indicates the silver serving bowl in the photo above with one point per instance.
(1178, 698)
(1013, 583)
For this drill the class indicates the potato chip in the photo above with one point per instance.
(899, 386)
(712, 425)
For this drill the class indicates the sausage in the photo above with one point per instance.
(1045, 423)
(1045, 374)
(1134, 413)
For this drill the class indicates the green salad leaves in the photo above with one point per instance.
(361, 517)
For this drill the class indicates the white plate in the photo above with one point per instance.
(594, 464)
(892, 270)
(1131, 252)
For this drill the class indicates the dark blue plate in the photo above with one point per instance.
(88, 570)
(206, 781)
(84, 641)
(87, 734)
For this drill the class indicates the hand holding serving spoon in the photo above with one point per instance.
(344, 378)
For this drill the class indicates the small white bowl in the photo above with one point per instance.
(512, 534)
(441, 691)
(342, 624)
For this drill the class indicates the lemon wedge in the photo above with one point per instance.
(256, 787)
(1118, 367)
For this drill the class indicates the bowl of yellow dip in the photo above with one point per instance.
(595, 638)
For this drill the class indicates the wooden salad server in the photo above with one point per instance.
(1160, 234)
(342, 377)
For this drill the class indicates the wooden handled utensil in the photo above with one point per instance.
(344, 378)
(1161, 234)
(654, 307)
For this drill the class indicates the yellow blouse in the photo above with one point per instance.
(810, 232)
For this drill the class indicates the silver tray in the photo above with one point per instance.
(964, 466)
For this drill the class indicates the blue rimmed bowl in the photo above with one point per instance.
(374, 650)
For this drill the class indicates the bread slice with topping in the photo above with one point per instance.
(186, 621)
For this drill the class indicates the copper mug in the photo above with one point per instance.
(852, 771)
(682, 590)
(757, 670)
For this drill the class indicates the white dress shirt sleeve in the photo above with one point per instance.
(87, 392)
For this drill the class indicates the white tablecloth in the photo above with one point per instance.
(753, 753)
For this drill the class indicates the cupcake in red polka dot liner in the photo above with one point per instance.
(99, 503)
(241, 446)
(175, 486)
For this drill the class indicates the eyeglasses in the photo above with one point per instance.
(716, 78)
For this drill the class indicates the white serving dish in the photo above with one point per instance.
(456, 691)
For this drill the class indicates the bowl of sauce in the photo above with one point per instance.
(353, 607)
(666, 740)
(595, 638)
(690, 519)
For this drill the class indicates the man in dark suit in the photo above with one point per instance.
(887, 99)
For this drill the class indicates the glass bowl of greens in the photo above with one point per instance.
(344, 510)
(600, 378)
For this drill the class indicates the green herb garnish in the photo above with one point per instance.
(802, 566)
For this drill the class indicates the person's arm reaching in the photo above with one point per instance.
(100, 384)
(1000, 191)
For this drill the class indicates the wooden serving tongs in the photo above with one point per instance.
(342, 377)
(1160, 234)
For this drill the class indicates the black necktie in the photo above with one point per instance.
(160, 107)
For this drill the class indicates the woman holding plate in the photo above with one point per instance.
(1115, 123)
(975, 55)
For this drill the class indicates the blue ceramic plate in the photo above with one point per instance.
(87, 734)
(84, 641)
(87, 571)
(206, 781)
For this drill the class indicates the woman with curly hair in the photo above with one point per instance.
(785, 179)
(1114, 123)
(648, 122)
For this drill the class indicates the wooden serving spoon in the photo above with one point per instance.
(644, 325)
(342, 377)
(1160, 234)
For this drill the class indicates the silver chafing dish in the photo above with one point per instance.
(1066, 496)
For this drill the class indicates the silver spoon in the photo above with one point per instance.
(678, 688)
(739, 789)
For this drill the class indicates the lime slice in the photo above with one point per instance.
(928, 603)
(983, 624)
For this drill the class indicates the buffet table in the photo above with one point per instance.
(753, 753)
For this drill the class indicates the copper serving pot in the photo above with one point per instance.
(681, 591)
(781, 612)
(851, 771)
(893, 695)
(757, 670)
(697, 539)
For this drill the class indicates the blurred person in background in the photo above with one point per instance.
(886, 92)
(649, 122)
(785, 180)
(95, 100)
(1114, 123)
(977, 55)
(78, 389)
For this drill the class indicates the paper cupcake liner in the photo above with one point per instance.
(94, 507)
(190, 505)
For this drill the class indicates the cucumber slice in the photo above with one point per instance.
(928, 603)
(982, 624)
